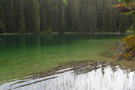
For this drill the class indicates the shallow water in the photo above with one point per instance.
(92, 77)
(22, 56)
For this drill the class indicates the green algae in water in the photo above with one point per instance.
(24, 55)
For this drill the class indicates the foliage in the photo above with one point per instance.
(126, 50)
(120, 6)
(10, 16)
(49, 30)
(61, 15)
(65, 2)
(130, 31)
(2, 26)
(124, 1)
(130, 41)
(21, 21)
(126, 7)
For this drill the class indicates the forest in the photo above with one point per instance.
(67, 44)
(35, 16)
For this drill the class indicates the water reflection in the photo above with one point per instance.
(95, 76)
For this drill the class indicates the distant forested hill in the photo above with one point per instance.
(61, 16)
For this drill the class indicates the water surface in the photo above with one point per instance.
(95, 76)
(25, 55)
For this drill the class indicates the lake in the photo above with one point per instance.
(24, 56)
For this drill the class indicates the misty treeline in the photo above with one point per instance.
(61, 16)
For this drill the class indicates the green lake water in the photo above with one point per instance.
(24, 55)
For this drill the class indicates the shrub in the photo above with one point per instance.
(49, 30)
(130, 41)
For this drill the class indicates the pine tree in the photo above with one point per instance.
(122, 23)
(75, 14)
(17, 12)
(10, 17)
(63, 4)
(21, 24)
(62, 23)
(43, 20)
(2, 18)
(32, 16)
(60, 16)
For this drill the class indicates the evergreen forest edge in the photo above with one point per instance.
(35, 16)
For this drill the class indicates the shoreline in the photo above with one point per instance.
(115, 33)
(79, 64)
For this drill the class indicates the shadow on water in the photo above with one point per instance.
(93, 76)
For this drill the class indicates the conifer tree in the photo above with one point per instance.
(124, 23)
(21, 24)
(62, 15)
(75, 14)
(32, 16)
(2, 18)
(63, 4)
(10, 16)
(43, 20)
(35, 23)
(17, 12)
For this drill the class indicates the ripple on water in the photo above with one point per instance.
(91, 77)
